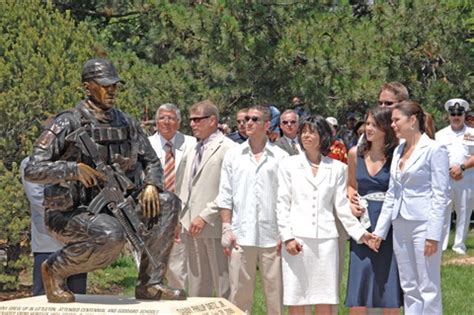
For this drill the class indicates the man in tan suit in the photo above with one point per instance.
(198, 185)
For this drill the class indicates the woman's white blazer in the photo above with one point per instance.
(419, 192)
(307, 205)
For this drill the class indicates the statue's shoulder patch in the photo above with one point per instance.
(62, 121)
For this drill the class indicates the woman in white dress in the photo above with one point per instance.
(311, 192)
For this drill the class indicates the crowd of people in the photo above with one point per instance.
(284, 192)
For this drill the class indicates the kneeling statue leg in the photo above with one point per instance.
(159, 239)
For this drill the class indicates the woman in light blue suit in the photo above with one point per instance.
(416, 204)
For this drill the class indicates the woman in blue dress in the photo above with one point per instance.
(373, 280)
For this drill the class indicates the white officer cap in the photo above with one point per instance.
(456, 105)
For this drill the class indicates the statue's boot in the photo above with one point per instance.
(159, 239)
(159, 292)
(55, 286)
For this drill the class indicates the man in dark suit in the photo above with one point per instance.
(289, 124)
(240, 135)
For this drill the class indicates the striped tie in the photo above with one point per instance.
(170, 169)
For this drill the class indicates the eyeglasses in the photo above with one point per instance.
(253, 118)
(386, 103)
(241, 121)
(197, 120)
(456, 114)
(170, 118)
(289, 122)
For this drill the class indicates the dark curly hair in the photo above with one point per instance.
(321, 126)
(383, 120)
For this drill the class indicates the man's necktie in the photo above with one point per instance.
(293, 146)
(197, 158)
(170, 168)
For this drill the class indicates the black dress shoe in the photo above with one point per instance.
(159, 292)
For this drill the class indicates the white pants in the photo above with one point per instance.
(462, 201)
(242, 271)
(420, 276)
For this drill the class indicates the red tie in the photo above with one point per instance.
(170, 170)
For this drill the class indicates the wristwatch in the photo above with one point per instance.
(463, 167)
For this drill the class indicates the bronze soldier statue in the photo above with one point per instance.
(96, 163)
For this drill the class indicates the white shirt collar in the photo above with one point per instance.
(291, 140)
(163, 141)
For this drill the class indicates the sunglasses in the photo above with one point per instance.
(197, 120)
(241, 121)
(386, 103)
(253, 118)
(289, 122)
(456, 114)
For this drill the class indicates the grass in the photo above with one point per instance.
(457, 281)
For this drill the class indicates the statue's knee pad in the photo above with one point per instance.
(105, 228)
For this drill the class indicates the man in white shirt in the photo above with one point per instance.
(247, 202)
(459, 140)
(197, 185)
(289, 124)
(170, 145)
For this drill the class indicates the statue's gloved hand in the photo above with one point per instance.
(149, 200)
(88, 176)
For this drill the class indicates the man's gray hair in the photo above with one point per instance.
(289, 111)
(169, 106)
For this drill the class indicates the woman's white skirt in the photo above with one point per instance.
(311, 276)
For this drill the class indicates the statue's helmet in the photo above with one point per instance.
(101, 71)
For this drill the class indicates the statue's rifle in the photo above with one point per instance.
(113, 195)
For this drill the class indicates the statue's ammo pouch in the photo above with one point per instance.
(58, 197)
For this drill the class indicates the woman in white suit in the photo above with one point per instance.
(416, 203)
(311, 192)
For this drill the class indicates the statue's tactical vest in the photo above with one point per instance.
(118, 145)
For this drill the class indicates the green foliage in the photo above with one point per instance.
(41, 53)
(239, 53)
(15, 221)
(122, 274)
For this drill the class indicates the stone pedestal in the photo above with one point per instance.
(118, 305)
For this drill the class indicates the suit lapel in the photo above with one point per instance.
(396, 161)
(155, 142)
(208, 153)
(288, 147)
(417, 152)
(179, 140)
(178, 144)
(323, 171)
